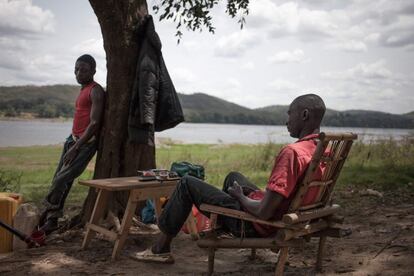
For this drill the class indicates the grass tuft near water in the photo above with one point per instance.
(385, 166)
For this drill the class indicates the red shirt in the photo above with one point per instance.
(288, 170)
(83, 108)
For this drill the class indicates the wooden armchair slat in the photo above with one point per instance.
(292, 218)
(318, 219)
(240, 215)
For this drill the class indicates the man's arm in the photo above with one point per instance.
(264, 209)
(98, 102)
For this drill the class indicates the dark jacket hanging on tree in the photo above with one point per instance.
(154, 102)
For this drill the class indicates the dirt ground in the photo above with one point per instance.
(382, 243)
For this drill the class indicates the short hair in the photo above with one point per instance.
(313, 103)
(88, 59)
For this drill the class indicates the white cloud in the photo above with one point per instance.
(364, 73)
(236, 44)
(40, 70)
(185, 81)
(92, 46)
(282, 85)
(22, 19)
(248, 66)
(344, 27)
(21, 23)
(290, 19)
(370, 86)
(295, 56)
(350, 46)
(190, 45)
(183, 74)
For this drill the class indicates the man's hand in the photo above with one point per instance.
(70, 155)
(235, 190)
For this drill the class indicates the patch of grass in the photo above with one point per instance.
(385, 166)
(255, 161)
(36, 166)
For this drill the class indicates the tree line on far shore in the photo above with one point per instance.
(58, 101)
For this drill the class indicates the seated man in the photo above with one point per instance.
(305, 115)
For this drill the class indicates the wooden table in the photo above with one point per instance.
(138, 190)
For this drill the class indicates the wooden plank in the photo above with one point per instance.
(321, 252)
(308, 215)
(213, 221)
(288, 234)
(157, 207)
(338, 136)
(309, 175)
(311, 206)
(247, 243)
(108, 233)
(283, 256)
(320, 183)
(126, 183)
(152, 192)
(97, 214)
(240, 215)
(126, 224)
(329, 159)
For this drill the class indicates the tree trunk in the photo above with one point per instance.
(116, 156)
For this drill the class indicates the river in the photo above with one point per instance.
(38, 132)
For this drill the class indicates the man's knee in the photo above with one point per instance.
(232, 176)
(184, 182)
(190, 184)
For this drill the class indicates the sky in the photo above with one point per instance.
(355, 54)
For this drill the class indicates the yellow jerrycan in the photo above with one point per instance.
(9, 202)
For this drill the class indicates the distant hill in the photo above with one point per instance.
(58, 100)
(44, 101)
(411, 114)
(364, 118)
(202, 108)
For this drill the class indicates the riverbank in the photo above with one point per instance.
(27, 117)
(386, 166)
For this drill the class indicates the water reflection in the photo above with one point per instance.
(27, 133)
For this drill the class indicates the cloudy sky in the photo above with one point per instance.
(356, 54)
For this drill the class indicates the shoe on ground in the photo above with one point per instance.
(149, 256)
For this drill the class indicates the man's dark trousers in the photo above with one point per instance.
(191, 190)
(64, 177)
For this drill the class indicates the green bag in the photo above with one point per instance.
(184, 168)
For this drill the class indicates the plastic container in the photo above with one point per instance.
(25, 220)
(9, 202)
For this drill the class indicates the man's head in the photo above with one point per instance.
(305, 115)
(85, 68)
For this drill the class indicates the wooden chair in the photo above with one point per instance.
(301, 222)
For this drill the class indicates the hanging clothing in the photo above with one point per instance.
(154, 102)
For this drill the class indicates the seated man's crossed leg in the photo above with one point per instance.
(191, 190)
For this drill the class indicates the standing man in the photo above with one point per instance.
(80, 146)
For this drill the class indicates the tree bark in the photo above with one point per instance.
(116, 156)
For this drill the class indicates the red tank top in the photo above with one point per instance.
(83, 108)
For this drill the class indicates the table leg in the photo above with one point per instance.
(126, 224)
(98, 212)
(158, 207)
